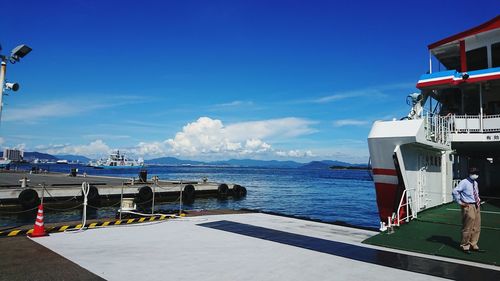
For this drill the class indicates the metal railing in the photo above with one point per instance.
(438, 128)
(408, 201)
(475, 123)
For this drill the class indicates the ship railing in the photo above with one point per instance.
(466, 124)
(438, 128)
(409, 203)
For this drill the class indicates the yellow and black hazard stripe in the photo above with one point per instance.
(61, 228)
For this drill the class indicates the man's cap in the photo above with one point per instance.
(473, 170)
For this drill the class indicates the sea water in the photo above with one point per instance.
(324, 194)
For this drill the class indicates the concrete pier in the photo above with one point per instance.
(20, 190)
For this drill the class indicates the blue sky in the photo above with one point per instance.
(207, 80)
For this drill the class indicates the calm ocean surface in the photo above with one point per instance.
(328, 195)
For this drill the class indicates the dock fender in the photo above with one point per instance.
(222, 191)
(28, 198)
(189, 194)
(239, 191)
(145, 194)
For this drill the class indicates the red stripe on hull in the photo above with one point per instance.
(385, 172)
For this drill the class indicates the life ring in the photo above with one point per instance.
(28, 198)
(93, 196)
(222, 191)
(145, 194)
(188, 194)
(239, 191)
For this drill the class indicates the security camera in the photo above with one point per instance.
(19, 52)
(12, 86)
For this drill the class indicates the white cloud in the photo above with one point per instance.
(284, 127)
(236, 103)
(372, 92)
(295, 153)
(59, 109)
(349, 122)
(206, 138)
(34, 113)
(155, 149)
(95, 149)
(210, 137)
(106, 136)
(21, 146)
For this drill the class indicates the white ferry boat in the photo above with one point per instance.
(117, 160)
(453, 123)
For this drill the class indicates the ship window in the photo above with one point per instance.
(495, 55)
(477, 59)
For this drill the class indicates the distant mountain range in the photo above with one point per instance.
(172, 161)
(324, 164)
(30, 156)
(74, 158)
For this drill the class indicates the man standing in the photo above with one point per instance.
(467, 195)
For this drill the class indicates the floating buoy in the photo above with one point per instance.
(28, 198)
(189, 194)
(222, 191)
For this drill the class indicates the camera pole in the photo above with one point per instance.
(3, 70)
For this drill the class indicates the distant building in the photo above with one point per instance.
(13, 154)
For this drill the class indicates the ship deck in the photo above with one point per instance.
(437, 232)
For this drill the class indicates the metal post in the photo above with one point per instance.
(121, 203)
(481, 107)
(430, 62)
(43, 192)
(180, 198)
(407, 207)
(3, 72)
(155, 181)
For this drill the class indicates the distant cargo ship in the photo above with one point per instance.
(117, 160)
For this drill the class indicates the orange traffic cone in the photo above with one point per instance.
(38, 229)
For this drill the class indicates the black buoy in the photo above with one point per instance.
(189, 194)
(28, 198)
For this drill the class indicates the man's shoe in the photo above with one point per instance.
(466, 251)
